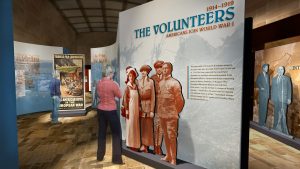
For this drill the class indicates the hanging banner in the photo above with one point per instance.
(71, 71)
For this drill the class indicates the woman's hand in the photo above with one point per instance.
(151, 114)
(127, 114)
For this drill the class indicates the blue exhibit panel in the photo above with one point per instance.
(8, 124)
(37, 94)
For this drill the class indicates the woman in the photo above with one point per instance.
(107, 90)
(131, 105)
(147, 97)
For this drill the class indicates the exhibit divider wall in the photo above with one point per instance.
(70, 69)
(8, 124)
(276, 99)
(100, 58)
(33, 72)
(193, 51)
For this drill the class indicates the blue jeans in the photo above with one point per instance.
(56, 103)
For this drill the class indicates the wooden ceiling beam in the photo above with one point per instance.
(63, 15)
(92, 16)
(124, 5)
(103, 13)
(79, 3)
(112, 9)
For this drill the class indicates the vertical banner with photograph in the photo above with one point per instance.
(71, 71)
(204, 41)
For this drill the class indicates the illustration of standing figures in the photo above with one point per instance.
(147, 97)
(158, 133)
(263, 84)
(281, 97)
(132, 108)
(170, 105)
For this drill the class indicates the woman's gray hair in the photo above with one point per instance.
(109, 70)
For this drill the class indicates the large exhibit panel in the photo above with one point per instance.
(100, 58)
(33, 71)
(286, 119)
(203, 40)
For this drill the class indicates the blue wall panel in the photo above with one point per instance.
(8, 124)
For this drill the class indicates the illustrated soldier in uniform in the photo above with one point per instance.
(158, 133)
(263, 83)
(147, 101)
(170, 104)
(281, 96)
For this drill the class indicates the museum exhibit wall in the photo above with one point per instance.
(33, 71)
(39, 22)
(100, 58)
(288, 56)
(207, 58)
(87, 40)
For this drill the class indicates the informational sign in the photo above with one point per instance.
(20, 83)
(203, 40)
(33, 71)
(71, 72)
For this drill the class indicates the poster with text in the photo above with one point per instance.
(71, 72)
(203, 40)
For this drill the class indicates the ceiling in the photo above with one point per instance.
(94, 15)
(103, 15)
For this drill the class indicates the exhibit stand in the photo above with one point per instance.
(289, 140)
(192, 59)
(155, 161)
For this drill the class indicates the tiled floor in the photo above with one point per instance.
(73, 145)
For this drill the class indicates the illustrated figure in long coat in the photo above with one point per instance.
(281, 96)
(263, 84)
(147, 98)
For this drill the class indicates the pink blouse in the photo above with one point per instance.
(107, 90)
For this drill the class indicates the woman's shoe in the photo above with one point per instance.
(144, 149)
